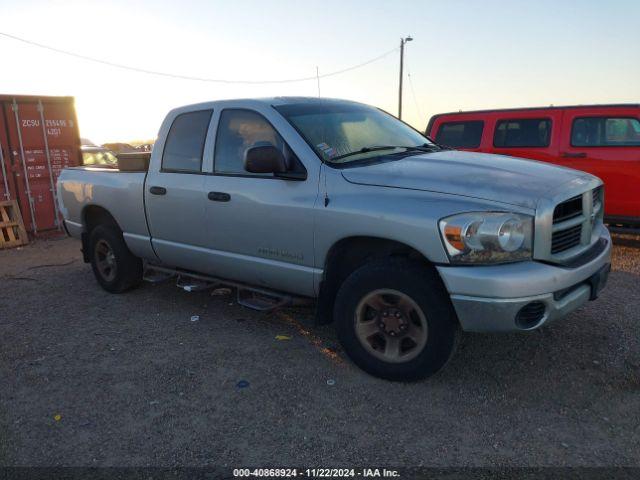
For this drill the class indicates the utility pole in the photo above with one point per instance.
(402, 42)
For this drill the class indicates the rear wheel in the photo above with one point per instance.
(395, 320)
(116, 269)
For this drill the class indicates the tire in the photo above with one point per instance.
(415, 330)
(116, 269)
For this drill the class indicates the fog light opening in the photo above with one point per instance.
(531, 315)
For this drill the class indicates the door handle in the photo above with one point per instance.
(219, 196)
(573, 154)
(158, 190)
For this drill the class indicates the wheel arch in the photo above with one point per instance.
(350, 253)
(92, 216)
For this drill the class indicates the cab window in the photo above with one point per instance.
(460, 134)
(524, 132)
(605, 132)
(185, 142)
(239, 130)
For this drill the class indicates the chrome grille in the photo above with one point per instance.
(569, 235)
(569, 221)
(568, 209)
(565, 239)
(596, 196)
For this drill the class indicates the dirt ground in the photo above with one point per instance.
(93, 379)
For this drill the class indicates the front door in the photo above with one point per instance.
(260, 227)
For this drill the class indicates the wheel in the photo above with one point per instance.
(395, 320)
(114, 266)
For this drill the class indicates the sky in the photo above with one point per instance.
(466, 54)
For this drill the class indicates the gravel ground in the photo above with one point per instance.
(93, 379)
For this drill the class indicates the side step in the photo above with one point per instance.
(260, 300)
(191, 284)
(152, 275)
(248, 296)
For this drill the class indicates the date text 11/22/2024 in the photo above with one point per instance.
(316, 472)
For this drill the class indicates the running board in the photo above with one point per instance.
(152, 275)
(261, 301)
(190, 284)
(248, 296)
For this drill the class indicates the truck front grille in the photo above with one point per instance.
(565, 239)
(596, 196)
(567, 225)
(568, 209)
(570, 222)
(574, 221)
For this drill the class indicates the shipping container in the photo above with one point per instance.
(39, 137)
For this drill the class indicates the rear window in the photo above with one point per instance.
(185, 142)
(523, 132)
(460, 134)
(605, 132)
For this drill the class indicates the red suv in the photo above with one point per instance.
(603, 140)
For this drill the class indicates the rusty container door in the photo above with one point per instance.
(43, 136)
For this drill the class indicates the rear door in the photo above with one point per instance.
(605, 142)
(174, 199)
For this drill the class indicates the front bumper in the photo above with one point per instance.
(491, 298)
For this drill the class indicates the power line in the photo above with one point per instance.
(413, 92)
(193, 78)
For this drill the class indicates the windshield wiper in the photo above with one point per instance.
(365, 150)
(425, 147)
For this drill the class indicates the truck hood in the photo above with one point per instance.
(496, 178)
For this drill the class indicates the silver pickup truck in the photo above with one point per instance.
(401, 242)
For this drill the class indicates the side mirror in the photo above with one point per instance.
(264, 159)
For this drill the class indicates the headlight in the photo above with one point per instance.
(487, 237)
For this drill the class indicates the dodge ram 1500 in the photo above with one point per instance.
(401, 242)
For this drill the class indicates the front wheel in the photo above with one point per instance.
(395, 320)
(116, 269)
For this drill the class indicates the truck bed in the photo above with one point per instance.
(117, 191)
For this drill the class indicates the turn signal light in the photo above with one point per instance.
(453, 234)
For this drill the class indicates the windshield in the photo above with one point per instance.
(347, 132)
